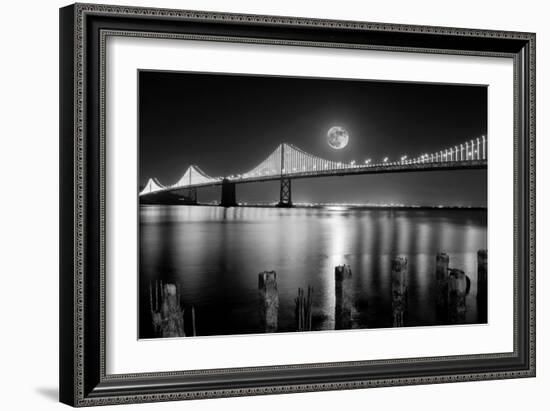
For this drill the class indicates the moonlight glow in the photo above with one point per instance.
(337, 137)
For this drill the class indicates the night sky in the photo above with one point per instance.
(227, 124)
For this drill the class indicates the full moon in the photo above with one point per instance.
(337, 137)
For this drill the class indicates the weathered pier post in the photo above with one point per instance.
(269, 301)
(156, 317)
(482, 289)
(166, 312)
(303, 309)
(459, 286)
(399, 289)
(442, 284)
(344, 297)
(171, 312)
(193, 325)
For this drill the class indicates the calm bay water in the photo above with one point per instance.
(215, 254)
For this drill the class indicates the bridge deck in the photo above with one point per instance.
(357, 170)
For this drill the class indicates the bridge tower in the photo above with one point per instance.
(229, 197)
(285, 199)
(285, 194)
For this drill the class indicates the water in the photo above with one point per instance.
(215, 254)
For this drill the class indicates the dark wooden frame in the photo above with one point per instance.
(83, 29)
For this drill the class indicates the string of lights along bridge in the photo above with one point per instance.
(288, 162)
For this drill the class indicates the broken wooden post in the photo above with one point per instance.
(156, 318)
(269, 301)
(166, 310)
(482, 290)
(157, 296)
(459, 286)
(303, 309)
(299, 301)
(399, 289)
(442, 285)
(344, 297)
(171, 312)
(309, 316)
(193, 327)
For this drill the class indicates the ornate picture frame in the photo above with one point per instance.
(84, 29)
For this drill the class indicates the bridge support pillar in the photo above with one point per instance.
(229, 197)
(192, 195)
(285, 199)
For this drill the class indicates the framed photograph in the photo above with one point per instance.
(261, 204)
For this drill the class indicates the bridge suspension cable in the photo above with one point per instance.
(288, 160)
(471, 150)
(269, 167)
(152, 186)
(194, 176)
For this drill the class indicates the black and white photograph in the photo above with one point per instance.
(277, 199)
(276, 204)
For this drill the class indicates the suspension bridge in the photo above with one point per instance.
(288, 162)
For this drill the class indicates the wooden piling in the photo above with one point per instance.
(459, 286)
(156, 317)
(344, 297)
(157, 295)
(399, 288)
(303, 310)
(172, 313)
(482, 290)
(269, 301)
(442, 286)
(166, 312)
(193, 325)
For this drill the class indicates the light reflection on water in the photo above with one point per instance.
(217, 253)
